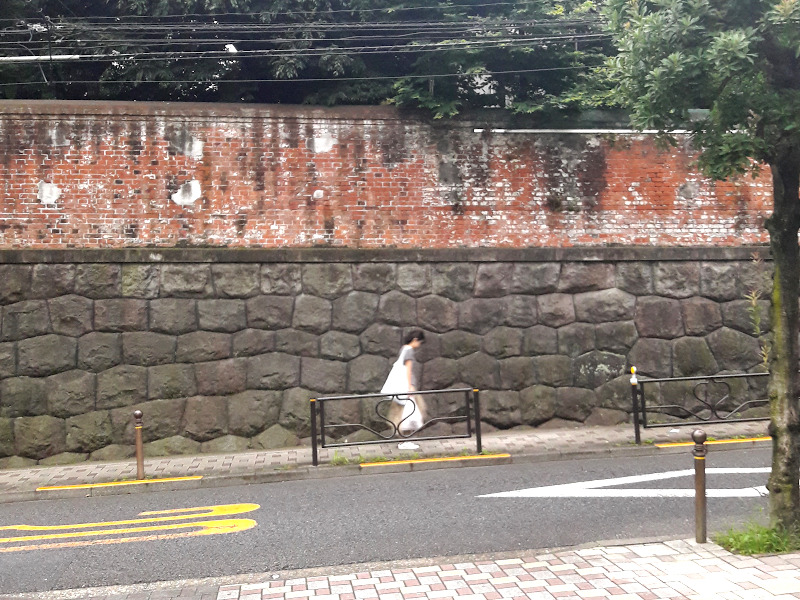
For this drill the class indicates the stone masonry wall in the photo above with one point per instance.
(222, 349)
(113, 175)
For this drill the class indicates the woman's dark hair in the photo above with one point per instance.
(414, 334)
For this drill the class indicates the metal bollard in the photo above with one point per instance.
(699, 453)
(314, 452)
(137, 419)
(635, 406)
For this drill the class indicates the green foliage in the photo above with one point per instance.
(759, 539)
(339, 460)
(727, 71)
(440, 56)
(754, 297)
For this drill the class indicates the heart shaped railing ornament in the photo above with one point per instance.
(395, 431)
(712, 405)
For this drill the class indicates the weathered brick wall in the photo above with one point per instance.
(136, 174)
(223, 349)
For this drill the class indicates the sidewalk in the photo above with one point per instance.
(295, 463)
(675, 570)
(668, 569)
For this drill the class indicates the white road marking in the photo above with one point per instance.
(599, 488)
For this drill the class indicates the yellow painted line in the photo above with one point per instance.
(153, 528)
(83, 486)
(220, 510)
(433, 460)
(741, 441)
(205, 528)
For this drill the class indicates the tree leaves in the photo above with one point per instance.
(734, 58)
(530, 56)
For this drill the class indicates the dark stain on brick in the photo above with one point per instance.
(592, 175)
(257, 163)
(241, 224)
(393, 145)
(292, 128)
(172, 185)
(135, 145)
(131, 230)
(179, 139)
(573, 172)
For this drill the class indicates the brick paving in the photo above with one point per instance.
(668, 569)
(673, 570)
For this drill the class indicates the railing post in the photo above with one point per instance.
(314, 454)
(476, 396)
(468, 402)
(699, 453)
(137, 428)
(635, 404)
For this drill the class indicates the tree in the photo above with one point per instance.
(730, 73)
(439, 55)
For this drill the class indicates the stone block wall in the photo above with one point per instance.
(222, 349)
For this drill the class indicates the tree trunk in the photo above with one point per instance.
(783, 226)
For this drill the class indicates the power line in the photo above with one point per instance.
(63, 27)
(303, 80)
(391, 10)
(308, 52)
(389, 35)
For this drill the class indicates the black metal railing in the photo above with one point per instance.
(330, 428)
(722, 398)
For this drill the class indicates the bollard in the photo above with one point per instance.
(699, 453)
(137, 418)
(314, 453)
(476, 396)
(635, 406)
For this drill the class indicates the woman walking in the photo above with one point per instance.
(406, 411)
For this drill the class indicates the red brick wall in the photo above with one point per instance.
(105, 174)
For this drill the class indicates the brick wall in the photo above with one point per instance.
(88, 175)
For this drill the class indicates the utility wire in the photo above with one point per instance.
(390, 35)
(304, 80)
(306, 52)
(392, 10)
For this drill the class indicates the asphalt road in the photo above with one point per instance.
(380, 517)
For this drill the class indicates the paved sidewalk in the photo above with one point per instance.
(675, 570)
(523, 444)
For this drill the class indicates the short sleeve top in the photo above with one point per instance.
(407, 353)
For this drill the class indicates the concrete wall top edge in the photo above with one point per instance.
(208, 111)
(350, 255)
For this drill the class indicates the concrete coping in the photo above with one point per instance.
(597, 254)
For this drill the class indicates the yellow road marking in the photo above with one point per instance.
(431, 460)
(207, 528)
(741, 441)
(82, 486)
(199, 511)
(118, 528)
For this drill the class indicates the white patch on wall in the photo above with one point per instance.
(48, 193)
(196, 149)
(187, 194)
(322, 143)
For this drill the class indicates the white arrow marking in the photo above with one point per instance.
(599, 487)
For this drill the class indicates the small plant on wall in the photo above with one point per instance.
(754, 308)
